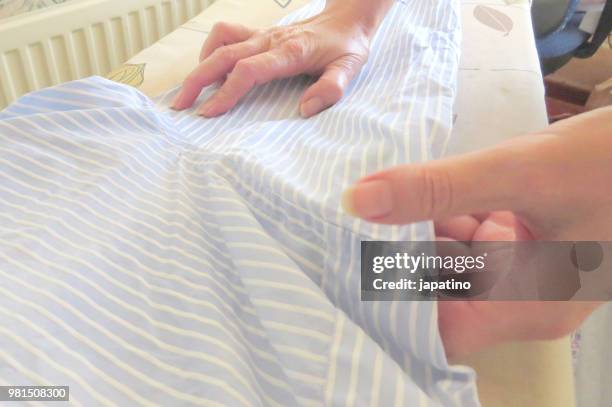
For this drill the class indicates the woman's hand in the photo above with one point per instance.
(554, 186)
(469, 326)
(333, 45)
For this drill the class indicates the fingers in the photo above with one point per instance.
(224, 34)
(489, 180)
(214, 68)
(285, 61)
(499, 226)
(258, 57)
(288, 60)
(330, 87)
(461, 228)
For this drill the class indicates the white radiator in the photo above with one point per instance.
(82, 38)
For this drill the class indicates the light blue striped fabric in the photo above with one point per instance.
(150, 257)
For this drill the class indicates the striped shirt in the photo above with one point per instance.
(153, 257)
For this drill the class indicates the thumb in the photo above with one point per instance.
(329, 88)
(488, 180)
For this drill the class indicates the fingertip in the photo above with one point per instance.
(211, 108)
(370, 200)
(178, 100)
(320, 96)
(207, 110)
(346, 202)
(210, 114)
(311, 107)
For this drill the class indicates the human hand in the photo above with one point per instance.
(333, 45)
(553, 185)
(470, 326)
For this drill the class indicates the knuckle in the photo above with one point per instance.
(223, 95)
(191, 80)
(224, 54)
(228, 95)
(436, 191)
(276, 35)
(245, 68)
(295, 49)
(221, 27)
(352, 61)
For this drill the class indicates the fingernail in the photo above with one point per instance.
(368, 200)
(311, 107)
(176, 102)
(347, 202)
(206, 109)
